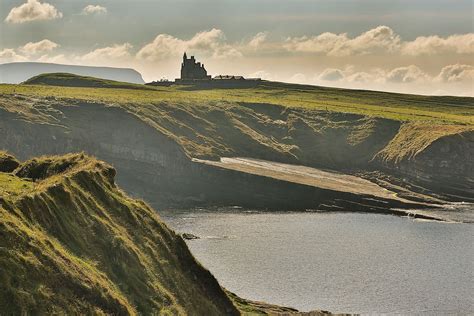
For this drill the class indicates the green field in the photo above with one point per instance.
(403, 107)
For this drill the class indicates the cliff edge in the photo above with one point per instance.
(72, 242)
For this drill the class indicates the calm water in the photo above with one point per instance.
(361, 263)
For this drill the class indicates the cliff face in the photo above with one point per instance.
(72, 242)
(152, 150)
(152, 146)
(440, 163)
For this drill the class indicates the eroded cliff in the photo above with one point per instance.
(71, 242)
(152, 144)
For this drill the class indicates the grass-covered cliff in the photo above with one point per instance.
(216, 122)
(151, 134)
(71, 242)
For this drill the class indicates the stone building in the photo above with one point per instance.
(192, 70)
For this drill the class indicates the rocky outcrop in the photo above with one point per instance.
(8, 163)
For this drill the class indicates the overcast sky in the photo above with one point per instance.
(415, 46)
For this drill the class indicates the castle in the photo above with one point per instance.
(194, 73)
(192, 70)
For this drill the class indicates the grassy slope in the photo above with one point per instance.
(414, 137)
(70, 80)
(195, 117)
(73, 243)
(404, 107)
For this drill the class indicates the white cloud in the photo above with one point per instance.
(457, 73)
(94, 9)
(258, 40)
(163, 46)
(378, 40)
(399, 75)
(331, 74)
(33, 10)
(323, 43)
(226, 51)
(430, 45)
(113, 53)
(211, 43)
(361, 77)
(9, 55)
(406, 75)
(38, 47)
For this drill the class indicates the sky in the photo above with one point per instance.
(412, 46)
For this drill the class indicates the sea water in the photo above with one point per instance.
(341, 262)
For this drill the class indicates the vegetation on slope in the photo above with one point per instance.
(71, 80)
(72, 243)
(402, 107)
(413, 138)
(276, 121)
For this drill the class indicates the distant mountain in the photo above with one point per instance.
(19, 72)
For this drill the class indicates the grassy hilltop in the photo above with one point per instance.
(444, 109)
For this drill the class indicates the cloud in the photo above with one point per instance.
(258, 40)
(331, 74)
(298, 78)
(163, 46)
(456, 73)
(406, 74)
(38, 47)
(109, 54)
(399, 75)
(323, 43)
(360, 77)
(212, 42)
(430, 45)
(33, 10)
(378, 40)
(9, 55)
(94, 9)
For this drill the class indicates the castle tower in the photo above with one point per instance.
(192, 70)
